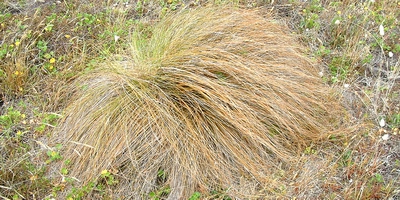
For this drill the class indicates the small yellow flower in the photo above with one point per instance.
(53, 154)
(339, 12)
(51, 67)
(67, 36)
(23, 116)
(20, 89)
(52, 60)
(349, 16)
(19, 133)
(17, 73)
(17, 43)
(104, 172)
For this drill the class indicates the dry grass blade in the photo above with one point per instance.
(212, 97)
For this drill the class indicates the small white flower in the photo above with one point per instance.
(381, 30)
(385, 137)
(390, 54)
(116, 38)
(307, 29)
(346, 85)
(382, 123)
(337, 22)
(321, 74)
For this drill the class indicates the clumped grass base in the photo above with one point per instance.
(208, 98)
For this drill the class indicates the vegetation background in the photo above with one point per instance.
(46, 44)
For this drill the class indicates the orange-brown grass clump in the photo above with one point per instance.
(213, 98)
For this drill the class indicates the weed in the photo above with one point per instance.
(19, 176)
(86, 20)
(108, 177)
(54, 154)
(340, 69)
(49, 120)
(195, 196)
(11, 118)
(395, 121)
(160, 193)
(377, 179)
(323, 51)
(79, 193)
(64, 171)
(309, 150)
(346, 159)
(220, 194)
(311, 15)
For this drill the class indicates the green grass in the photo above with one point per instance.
(48, 48)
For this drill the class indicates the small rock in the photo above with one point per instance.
(381, 30)
(382, 123)
(385, 137)
(116, 38)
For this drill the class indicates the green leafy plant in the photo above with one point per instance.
(80, 193)
(220, 193)
(49, 120)
(347, 158)
(195, 196)
(50, 22)
(54, 154)
(395, 120)
(108, 177)
(340, 69)
(42, 46)
(311, 15)
(160, 193)
(10, 118)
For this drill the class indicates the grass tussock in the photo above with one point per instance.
(209, 97)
